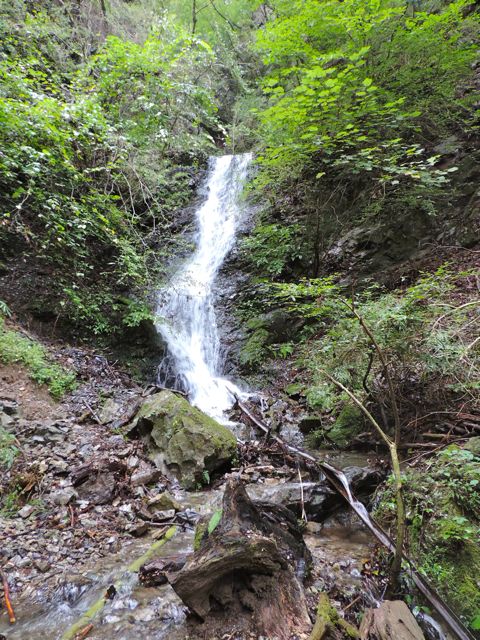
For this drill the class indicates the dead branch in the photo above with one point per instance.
(6, 595)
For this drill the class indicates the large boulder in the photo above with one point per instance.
(183, 440)
(391, 621)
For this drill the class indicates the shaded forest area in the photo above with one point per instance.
(356, 283)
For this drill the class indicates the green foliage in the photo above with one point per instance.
(272, 247)
(15, 348)
(340, 102)
(253, 351)
(443, 524)
(8, 449)
(4, 309)
(98, 150)
(10, 503)
(407, 324)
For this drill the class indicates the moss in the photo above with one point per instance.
(201, 532)
(15, 348)
(253, 351)
(327, 618)
(349, 423)
(190, 443)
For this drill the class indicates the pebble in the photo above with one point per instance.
(26, 511)
(62, 497)
(42, 565)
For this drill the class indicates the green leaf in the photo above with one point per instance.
(214, 521)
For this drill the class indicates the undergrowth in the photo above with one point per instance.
(443, 516)
(8, 449)
(18, 349)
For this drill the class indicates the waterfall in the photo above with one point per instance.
(185, 308)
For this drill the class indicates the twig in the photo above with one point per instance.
(462, 306)
(72, 515)
(352, 603)
(84, 633)
(92, 412)
(6, 595)
(302, 498)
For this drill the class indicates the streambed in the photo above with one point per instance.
(339, 546)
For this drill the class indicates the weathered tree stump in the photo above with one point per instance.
(391, 621)
(247, 567)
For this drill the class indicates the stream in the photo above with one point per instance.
(193, 365)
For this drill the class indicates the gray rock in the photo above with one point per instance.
(319, 498)
(5, 420)
(42, 565)
(137, 529)
(98, 489)
(183, 440)
(26, 511)
(62, 497)
(9, 407)
(110, 411)
(164, 501)
(144, 474)
(392, 620)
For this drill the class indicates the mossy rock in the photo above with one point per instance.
(473, 445)
(349, 423)
(183, 440)
(275, 327)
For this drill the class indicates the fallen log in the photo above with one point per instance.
(329, 625)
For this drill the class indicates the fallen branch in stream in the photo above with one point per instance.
(73, 633)
(6, 595)
(84, 633)
(338, 481)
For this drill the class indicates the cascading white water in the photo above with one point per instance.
(187, 315)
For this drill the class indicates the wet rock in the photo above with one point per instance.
(319, 497)
(183, 440)
(309, 424)
(156, 573)
(62, 497)
(247, 564)
(137, 529)
(164, 501)
(391, 621)
(161, 516)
